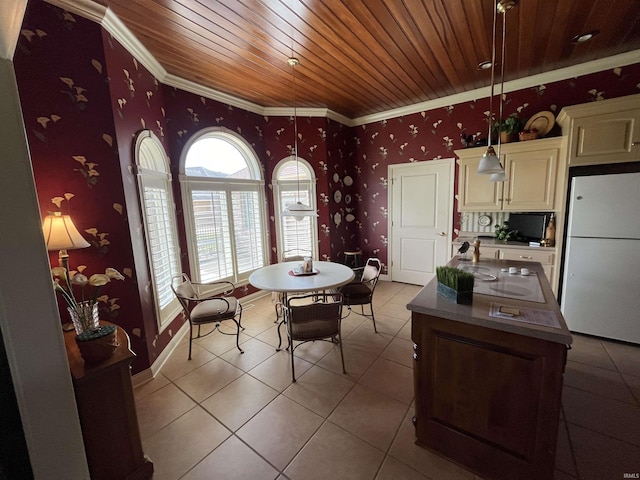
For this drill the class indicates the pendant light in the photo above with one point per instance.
(502, 7)
(490, 162)
(298, 210)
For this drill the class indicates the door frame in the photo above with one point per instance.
(451, 162)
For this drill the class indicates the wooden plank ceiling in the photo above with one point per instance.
(361, 57)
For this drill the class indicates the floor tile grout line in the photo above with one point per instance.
(600, 395)
(565, 425)
(591, 429)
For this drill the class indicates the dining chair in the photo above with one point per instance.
(208, 303)
(312, 317)
(360, 291)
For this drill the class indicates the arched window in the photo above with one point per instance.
(294, 181)
(158, 212)
(223, 198)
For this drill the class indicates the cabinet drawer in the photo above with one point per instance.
(544, 257)
(489, 252)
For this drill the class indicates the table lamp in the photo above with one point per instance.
(61, 234)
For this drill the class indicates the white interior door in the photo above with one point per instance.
(421, 218)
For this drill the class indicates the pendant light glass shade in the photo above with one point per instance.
(298, 210)
(489, 163)
(498, 177)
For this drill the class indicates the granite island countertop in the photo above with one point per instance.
(428, 302)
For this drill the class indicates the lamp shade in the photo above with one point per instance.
(489, 163)
(299, 210)
(61, 234)
(498, 177)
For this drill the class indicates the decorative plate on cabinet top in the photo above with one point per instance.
(484, 220)
(543, 122)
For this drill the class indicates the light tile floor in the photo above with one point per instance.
(223, 415)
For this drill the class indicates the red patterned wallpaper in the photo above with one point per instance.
(66, 101)
(437, 133)
(84, 98)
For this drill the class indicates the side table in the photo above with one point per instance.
(107, 411)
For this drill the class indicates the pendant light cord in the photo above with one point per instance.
(502, 62)
(295, 133)
(293, 62)
(493, 70)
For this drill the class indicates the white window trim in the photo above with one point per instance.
(190, 183)
(310, 184)
(167, 314)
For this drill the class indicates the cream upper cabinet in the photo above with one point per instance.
(603, 132)
(532, 174)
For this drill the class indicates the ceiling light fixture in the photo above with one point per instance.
(584, 37)
(490, 161)
(501, 176)
(298, 210)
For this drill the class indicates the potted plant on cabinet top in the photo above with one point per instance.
(509, 128)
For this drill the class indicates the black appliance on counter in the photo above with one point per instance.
(530, 226)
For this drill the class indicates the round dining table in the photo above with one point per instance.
(282, 277)
(286, 277)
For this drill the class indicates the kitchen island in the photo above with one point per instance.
(488, 376)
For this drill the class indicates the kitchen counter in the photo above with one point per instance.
(427, 301)
(488, 389)
(492, 242)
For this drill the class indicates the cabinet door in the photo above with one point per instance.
(532, 180)
(475, 192)
(607, 138)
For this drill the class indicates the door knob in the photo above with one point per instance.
(442, 234)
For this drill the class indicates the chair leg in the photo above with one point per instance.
(293, 371)
(279, 338)
(342, 354)
(373, 318)
(238, 327)
(190, 338)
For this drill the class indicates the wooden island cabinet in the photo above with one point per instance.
(107, 412)
(487, 389)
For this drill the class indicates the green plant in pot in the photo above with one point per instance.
(455, 284)
(504, 233)
(509, 128)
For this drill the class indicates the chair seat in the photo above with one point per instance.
(355, 292)
(215, 308)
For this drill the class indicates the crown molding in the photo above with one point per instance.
(207, 92)
(130, 42)
(105, 17)
(574, 71)
(85, 8)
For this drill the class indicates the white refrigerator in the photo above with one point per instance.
(601, 283)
